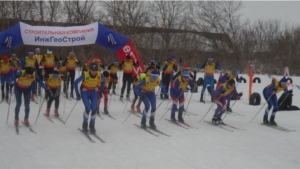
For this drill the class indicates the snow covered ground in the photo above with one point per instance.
(58, 145)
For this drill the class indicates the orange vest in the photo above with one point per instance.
(114, 69)
(30, 62)
(209, 69)
(169, 68)
(5, 67)
(150, 87)
(53, 83)
(71, 63)
(49, 61)
(90, 83)
(24, 82)
(38, 58)
(128, 66)
(15, 61)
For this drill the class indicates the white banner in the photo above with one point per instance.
(59, 36)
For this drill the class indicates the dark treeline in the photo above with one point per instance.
(190, 30)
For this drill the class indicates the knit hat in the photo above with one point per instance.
(37, 49)
(71, 53)
(105, 74)
(154, 74)
(173, 56)
(30, 53)
(234, 72)
(283, 80)
(5, 58)
(55, 74)
(29, 70)
(94, 66)
(231, 82)
(152, 60)
(96, 57)
(128, 57)
(116, 62)
(49, 51)
(185, 74)
(210, 59)
(13, 54)
(186, 67)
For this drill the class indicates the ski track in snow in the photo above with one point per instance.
(58, 145)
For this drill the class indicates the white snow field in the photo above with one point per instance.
(58, 145)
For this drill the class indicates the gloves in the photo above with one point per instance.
(291, 91)
(78, 96)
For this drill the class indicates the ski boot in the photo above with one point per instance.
(16, 123)
(67, 95)
(3, 96)
(220, 121)
(138, 109)
(72, 96)
(92, 127)
(114, 92)
(272, 121)
(151, 123)
(180, 119)
(166, 96)
(56, 113)
(229, 109)
(161, 96)
(105, 110)
(215, 120)
(26, 121)
(127, 97)
(212, 99)
(266, 121)
(173, 119)
(201, 98)
(132, 109)
(143, 123)
(47, 112)
(84, 127)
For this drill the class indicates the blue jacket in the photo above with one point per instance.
(175, 86)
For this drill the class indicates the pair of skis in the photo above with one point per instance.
(150, 129)
(89, 137)
(180, 124)
(29, 127)
(222, 126)
(49, 118)
(278, 127)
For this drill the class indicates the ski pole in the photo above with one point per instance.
(171, 105)
(71, 111)
(125, 106)
(40, 110)
(209, 109)
(189, 102)
(8, 109)
(261, 108)
(284, 99)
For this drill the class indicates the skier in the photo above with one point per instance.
(113, 71)
(220, 95)
(155, 64)
(167, 69)
(105, 93)
(92, 84)
(183, 69)
(24, 80)
(5, 67)
(269, 93)
(30, 61)
(63, 72)
(138, 79)
(39, 69)
(147, 93)
(127, 66)
(15, 65)
(48, 61)
(178, 87)
(53, 91)
(209, 70)
(71, 64)
(233, 74)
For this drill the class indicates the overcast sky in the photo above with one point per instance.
(285, 11)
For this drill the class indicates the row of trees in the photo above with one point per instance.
(191, 30)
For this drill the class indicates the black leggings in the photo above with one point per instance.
(127, 78)
(71, 80)
(166, 81)
(53, 94)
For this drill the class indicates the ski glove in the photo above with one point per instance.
(100, 95)
(78, 96)
(290, 91)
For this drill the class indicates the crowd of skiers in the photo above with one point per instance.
(35, 71)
